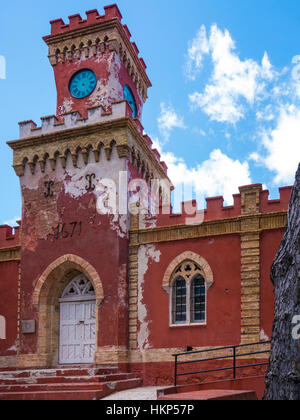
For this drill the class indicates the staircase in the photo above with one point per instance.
(71, 383)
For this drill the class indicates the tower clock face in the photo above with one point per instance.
(128, 95)
(82, 84)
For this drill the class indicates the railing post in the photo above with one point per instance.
(175, 373)
(234, 362)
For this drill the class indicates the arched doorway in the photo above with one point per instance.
(45, 299)
(77, 342)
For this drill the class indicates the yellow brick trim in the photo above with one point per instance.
(10, 254)
(230, 226)
(250, 282)
(75, 261)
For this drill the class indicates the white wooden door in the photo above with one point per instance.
(77, 332)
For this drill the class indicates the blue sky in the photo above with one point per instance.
(224, 109)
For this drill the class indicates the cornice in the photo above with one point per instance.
(231, 226)
(10, 254)
(124, 123)
(67, 134)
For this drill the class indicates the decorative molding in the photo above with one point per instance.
(10, 254)
(121, 133)
(72, 261)
(230, 226)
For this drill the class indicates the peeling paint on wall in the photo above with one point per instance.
(263, 336)
(67, 105)
(120, 225)
(147, 253)
(107, 89)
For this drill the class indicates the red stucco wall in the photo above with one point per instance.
(9, 305)
(269, 244)
(224, 308)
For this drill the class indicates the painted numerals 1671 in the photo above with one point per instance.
(68, 230)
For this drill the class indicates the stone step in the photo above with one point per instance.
(65, 379)
(212, 395)
(75, 391)
(112, 387)
(51, 387)
(70, 371)
(51, 396)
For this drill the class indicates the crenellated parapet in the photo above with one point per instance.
(74, 119)
(252, 201)
(73, 136)
(9, 237)
(81, 39)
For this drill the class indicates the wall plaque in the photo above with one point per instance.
(28, 327)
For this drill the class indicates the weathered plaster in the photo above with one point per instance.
(147, 254)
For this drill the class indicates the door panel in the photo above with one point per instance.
(77, 332)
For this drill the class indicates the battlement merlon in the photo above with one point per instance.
(51, 124)
(9, 237)
(92, 36)
(58, 26)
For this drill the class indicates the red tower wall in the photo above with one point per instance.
(102, 242)
(112, 77)
(74, 50)
(9, 274)
(269, 246)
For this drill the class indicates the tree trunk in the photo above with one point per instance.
(283, 377)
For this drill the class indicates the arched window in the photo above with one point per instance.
(188, 294)
(179, 300)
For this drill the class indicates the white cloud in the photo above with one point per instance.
(282, 146)
(219, 175)
(168, 120)
(197, 49)
(233, 83)
(12, 222)
(266, 114)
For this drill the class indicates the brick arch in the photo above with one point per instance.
(47, 293)
(62, 264)
(192, 256)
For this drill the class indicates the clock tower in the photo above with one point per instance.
(74, 280)
(95, 63)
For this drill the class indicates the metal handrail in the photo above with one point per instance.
(234, 355)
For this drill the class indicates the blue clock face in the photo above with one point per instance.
(128, 95)
(82, 84)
